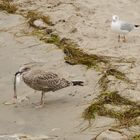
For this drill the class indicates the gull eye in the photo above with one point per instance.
(26, 69)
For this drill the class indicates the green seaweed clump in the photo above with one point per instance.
(118, 74)
(91, 111)
(75, 55)
(8, 6)
(114, 98)
(129, 117)
(126, 118)
(52, 39)
(103, 82)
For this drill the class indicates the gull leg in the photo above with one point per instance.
(42, 98)
(119, 38)
(41, 103)
(124, 39)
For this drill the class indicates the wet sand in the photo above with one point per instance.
(61, 118)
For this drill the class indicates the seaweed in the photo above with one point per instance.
(103, 82)
(8, 6)
(75, 55)
(126, 118)
(52, 39)
(118, 74)
(114, 98)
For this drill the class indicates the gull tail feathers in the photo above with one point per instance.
(79, 83)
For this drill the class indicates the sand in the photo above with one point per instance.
(88, 24)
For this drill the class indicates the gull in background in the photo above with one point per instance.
(122, 27)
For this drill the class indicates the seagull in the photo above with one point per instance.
(41, 80)
(122, 27)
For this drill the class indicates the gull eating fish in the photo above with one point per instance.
(41, 80)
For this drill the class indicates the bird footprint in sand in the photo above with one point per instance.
(18, 100)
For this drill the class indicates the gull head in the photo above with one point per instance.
(115, 18)
(18, 76)
(22, 70)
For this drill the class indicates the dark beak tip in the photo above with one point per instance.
(17, 73)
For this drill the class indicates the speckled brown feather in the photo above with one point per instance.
(44, 81)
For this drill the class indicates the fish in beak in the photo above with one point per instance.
(16, 81)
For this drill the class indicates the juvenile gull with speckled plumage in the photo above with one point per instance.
(43, 81)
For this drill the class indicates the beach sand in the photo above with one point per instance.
(88, 24)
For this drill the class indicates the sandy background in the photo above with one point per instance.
(87, 22)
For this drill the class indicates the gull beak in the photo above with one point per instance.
(17, 73)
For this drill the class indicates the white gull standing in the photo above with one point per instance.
(122, 27)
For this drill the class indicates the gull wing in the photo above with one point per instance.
(126, 26)
(50, 81)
